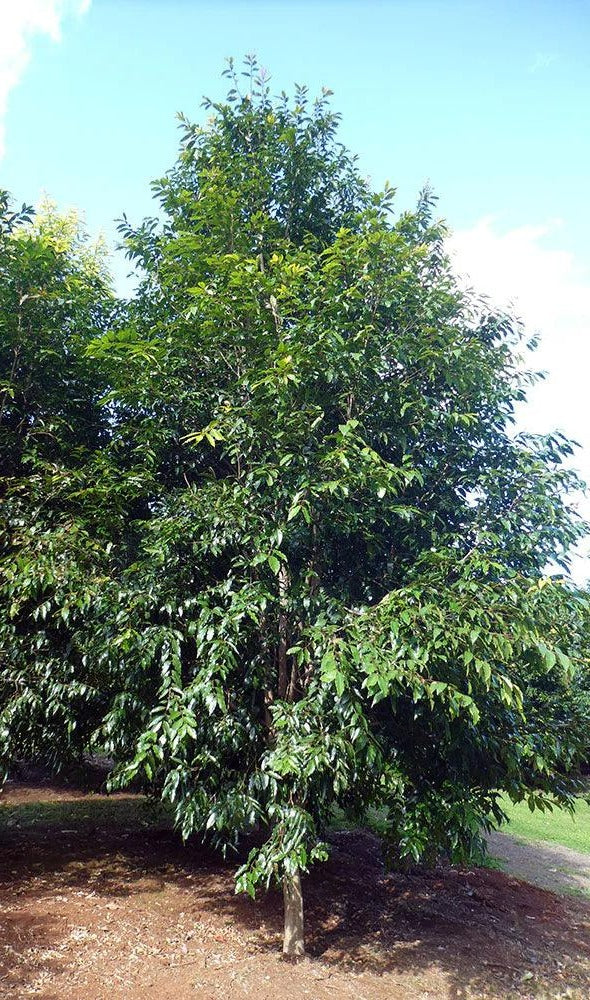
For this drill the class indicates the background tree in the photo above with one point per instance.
(54, 298)
(328, 590)
(52, 285)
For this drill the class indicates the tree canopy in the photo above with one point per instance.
(281, 552)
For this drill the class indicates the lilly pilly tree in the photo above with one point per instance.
(336, 594)
(57, 517)
(329, 592)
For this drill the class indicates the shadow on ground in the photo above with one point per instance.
(477, 932)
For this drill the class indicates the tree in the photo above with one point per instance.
(54, 298)
(329, 591)
(53, 282)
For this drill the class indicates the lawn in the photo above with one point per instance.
(132, 812)
(559, 826)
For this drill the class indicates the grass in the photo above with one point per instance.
(494, 864)
(558, 827)
(129, 812)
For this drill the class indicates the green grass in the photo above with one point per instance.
(558, 826)
(111, 813)
(494, 864)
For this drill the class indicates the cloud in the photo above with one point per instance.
(548, 287)
(20, 21)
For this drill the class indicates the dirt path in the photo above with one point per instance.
(93, 907)
(546, 864)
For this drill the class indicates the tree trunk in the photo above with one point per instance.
(293, 940)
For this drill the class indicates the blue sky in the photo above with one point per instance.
(488, 101)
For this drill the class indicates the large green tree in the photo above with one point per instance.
(310, 556)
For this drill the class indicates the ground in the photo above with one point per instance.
(551, 866)
(92, 909)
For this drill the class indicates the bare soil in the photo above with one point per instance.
(93, 908)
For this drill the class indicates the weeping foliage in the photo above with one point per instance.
(284, 552)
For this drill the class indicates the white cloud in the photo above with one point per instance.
(20, 21)
(550, 290)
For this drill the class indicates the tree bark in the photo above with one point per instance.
(293, 940)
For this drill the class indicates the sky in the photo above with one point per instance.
(489, 102)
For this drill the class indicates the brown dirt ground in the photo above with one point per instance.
(106, 912)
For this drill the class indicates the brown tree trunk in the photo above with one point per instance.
(293, 940)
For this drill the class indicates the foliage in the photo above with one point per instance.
(300, 564)
(54, 298)
(51, 286)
